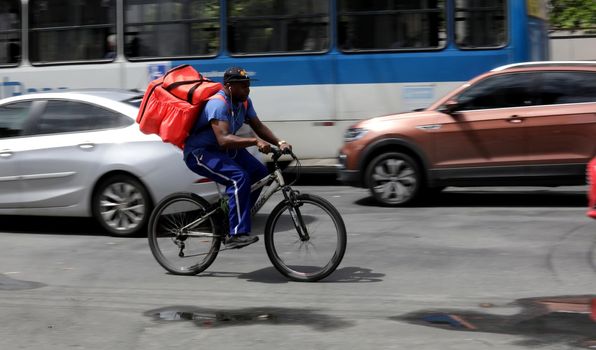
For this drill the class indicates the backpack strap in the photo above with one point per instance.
(221, 97)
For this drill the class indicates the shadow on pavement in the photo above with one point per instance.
(50, 225)
(349, 274)
(7, 283)
(353, 274)
(496, 198)
(266, 275)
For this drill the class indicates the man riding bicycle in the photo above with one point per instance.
(214, 151)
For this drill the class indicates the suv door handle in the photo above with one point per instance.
(515, 119)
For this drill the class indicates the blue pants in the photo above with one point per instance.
(237, 172)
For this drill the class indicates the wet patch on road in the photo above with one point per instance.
(542, 321)
(7, 283)
(210, 318)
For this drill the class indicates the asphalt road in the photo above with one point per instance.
(490, 268)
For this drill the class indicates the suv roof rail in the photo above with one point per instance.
(544, 64)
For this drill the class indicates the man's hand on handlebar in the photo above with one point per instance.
(263, 146)
(285, 147)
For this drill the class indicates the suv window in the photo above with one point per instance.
(70, 116)
(12, 118)
(567, 87)
(501, 91)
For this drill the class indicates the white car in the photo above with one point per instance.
(81, 153)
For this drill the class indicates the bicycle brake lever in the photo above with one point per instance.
(276, 154)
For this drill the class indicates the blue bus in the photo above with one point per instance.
(320, 64)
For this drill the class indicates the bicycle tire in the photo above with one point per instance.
(169, 216)
(289, 254)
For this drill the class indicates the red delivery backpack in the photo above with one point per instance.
(172, 103)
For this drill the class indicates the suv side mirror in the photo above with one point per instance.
(450, 107)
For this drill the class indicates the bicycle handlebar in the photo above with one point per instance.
(277, 153)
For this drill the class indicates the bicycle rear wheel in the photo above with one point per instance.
(309, 258)
(179, 246)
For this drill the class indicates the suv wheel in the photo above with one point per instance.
(393, 179)
(122, 206)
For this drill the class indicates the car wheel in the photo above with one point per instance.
(121, 205)
(393, 179)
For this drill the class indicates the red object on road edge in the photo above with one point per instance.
(593, 309)
(591, 174)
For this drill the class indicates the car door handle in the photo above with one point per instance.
(5, 154)
(515, 119)
(86, 146)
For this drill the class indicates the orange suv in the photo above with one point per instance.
(527, 124)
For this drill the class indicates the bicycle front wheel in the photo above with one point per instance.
(305, 242)
(182, 239)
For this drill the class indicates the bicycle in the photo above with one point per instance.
(305, 236)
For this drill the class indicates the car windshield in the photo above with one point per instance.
(134, 101)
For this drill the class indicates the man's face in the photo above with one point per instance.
(240, 90)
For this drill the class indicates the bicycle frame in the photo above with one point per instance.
(275, 181)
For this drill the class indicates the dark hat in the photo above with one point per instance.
(235, 74)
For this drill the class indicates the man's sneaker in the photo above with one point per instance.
(239, 241)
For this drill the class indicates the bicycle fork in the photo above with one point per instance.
(294, 209)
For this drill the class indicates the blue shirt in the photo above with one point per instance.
(202, 136)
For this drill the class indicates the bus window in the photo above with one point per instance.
(277, 26)
(180, 28)
(70, 30)
(480, 23)
(391, 25)
(10, 32)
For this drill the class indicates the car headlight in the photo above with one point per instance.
(353, 134)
